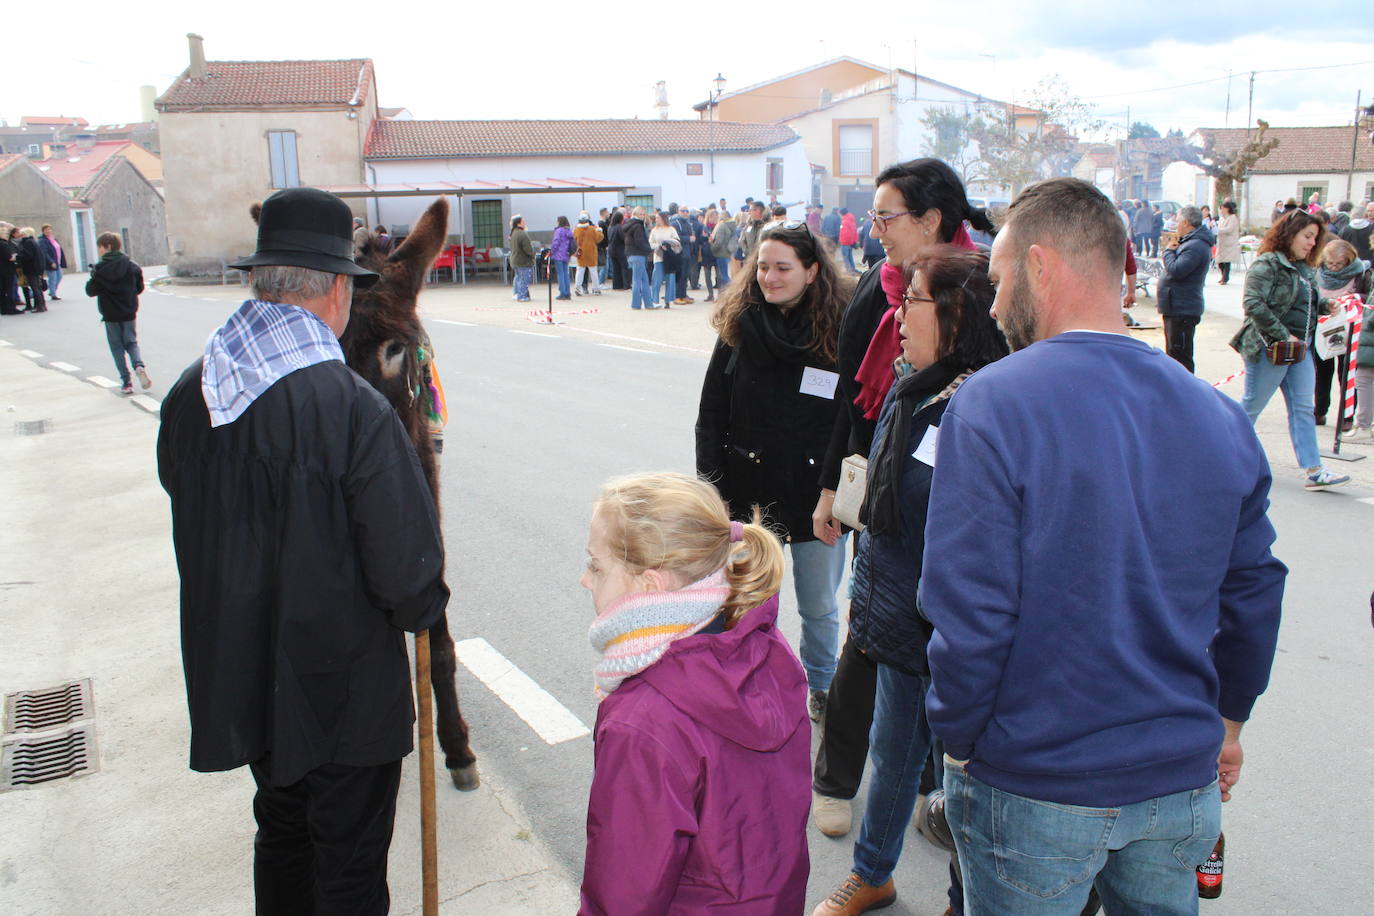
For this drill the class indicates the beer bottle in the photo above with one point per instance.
(1209, 873)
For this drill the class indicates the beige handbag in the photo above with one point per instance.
(849, 495)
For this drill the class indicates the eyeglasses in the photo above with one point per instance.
(908, 300)
(881, 220)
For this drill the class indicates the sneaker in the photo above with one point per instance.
(683, 300)
(143, 378)
(578, 292)
(1325, 479)
(815, 705)
(127, 389)
(1360, 434)
(596, 292)
(856, 896)
(833, 816)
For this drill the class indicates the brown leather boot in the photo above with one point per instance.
(855, 896)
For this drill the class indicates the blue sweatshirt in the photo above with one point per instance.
(1098, 572)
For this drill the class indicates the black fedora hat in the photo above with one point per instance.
(307, 227)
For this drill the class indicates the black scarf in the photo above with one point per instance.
(770, 335)
(881, 506)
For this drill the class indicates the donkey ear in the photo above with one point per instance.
(408, 264)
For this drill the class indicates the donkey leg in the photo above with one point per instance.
(452, 729)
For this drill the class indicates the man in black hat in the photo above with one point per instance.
(307, 540)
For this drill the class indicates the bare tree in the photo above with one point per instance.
(1019, 145)
(1230, 169)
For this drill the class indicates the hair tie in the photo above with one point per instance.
(736, 531)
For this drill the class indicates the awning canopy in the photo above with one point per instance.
(460, 188)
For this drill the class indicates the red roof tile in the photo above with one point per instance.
(1300, 149)
(486, 139)
(236, 85)
(75, 171)
(32, 121)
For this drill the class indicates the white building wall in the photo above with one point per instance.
(737, 175)
(1258, 194)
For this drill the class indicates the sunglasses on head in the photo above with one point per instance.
(790, 225)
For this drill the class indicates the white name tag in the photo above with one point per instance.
(819, 383)
(925, 452)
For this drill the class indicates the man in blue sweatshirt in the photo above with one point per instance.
(1105, 602)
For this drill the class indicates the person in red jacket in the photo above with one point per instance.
(849, 237)
(703, 779)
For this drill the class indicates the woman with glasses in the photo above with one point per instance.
(946, 335)
(917, 205)
(767, 408)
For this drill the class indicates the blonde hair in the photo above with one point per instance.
(679, 525)
(1339, 246)
(27, 232)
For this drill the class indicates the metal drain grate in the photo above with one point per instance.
(32, 761)
(31, 427)
(36, 710)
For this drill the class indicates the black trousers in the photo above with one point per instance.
(620, 272)
(848, 718)
(322, 842)
(1225, 268)
(1178, 338)
(1326, 374)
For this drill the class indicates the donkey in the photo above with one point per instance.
(386, 344)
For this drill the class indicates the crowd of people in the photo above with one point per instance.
(1064, 725)
(31, 266)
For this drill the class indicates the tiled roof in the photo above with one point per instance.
(236, 85)
(103, 175)
(1300, 149)
(488, 139)
(76, 170)
(9, 159)
(32, 121)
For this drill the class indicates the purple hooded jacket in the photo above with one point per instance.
(703, 781)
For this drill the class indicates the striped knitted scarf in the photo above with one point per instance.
(635, 631)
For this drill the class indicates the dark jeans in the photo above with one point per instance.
(620, 272)
(122, 337)
(848, 718)
(1225, 268)
(1178, 338)
(1326, 374)
(322, 843)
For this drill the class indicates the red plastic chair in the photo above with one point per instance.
(447, 260)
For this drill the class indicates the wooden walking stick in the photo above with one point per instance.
(429, 833)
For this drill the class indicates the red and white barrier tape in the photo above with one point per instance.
(1229, 379)
(1354, 315)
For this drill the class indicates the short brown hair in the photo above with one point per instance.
(1072, 217)
(45, 227)
(1286, 228)
(110, 241)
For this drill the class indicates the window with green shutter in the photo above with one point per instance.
(487, 224)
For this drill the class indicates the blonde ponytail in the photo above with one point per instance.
(679, 525)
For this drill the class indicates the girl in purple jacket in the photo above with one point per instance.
(702, 784)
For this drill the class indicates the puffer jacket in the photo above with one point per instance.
(1185, 269)
(883, 617)
(1280, 299)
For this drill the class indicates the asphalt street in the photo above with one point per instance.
(539, 418)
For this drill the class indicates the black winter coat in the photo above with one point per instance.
(116, 283)
(307, 540)
(636, 238)
(1185, 270)
(853, 432)
(31, 259)
(50, 255)
(760, 439)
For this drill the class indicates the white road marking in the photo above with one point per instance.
(536, 334)
(102, 381)
(461, 324)
(5, 343)
(152, 405)
(1368, 500)
(643, 340)
(631, 349)
(541, 712)
(65, 367)
(31, 354)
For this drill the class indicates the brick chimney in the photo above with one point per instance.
(197, 71)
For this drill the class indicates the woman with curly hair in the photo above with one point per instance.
(767, 408)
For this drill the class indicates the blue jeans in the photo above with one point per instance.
(523, 276)
(601, 270)
(561, 268)
(639, 282)
(847, 253)
(1028, 857)
(123, 338)
(668, 283)
(817, 569)
(722, 272)
(898, 746)
(1298, 383)
(54, 278)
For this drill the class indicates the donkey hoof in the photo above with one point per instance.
(465, 779)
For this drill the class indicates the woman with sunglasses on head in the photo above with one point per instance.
(767, 408)
(946, 334)
(917, 206)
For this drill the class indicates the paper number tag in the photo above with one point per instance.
(819, 383)
(925, 452)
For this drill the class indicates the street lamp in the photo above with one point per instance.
(719, 82)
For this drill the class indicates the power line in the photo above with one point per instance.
(1217, 79)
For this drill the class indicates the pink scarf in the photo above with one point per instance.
(875, 372)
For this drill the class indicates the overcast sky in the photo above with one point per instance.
(590, 60)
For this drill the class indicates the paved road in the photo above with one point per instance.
(539, 419)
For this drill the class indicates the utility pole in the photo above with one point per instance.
(1249, 133)
(1226, 121)
(1354, 147)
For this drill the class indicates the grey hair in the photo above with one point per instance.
(1191, 215)
(283, 283)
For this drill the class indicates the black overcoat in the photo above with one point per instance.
(307, 540)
